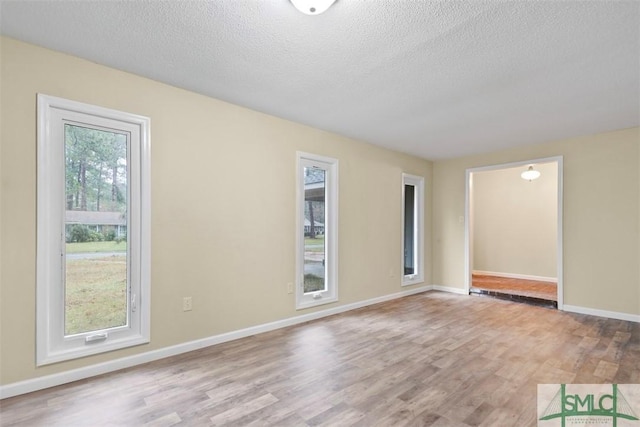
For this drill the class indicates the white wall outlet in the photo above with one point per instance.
(289, 288)
(187, 304)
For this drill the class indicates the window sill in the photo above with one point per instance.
(412, 281)
(315, 303)
(91, 349)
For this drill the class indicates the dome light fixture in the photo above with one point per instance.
(312, 7)
(530, 174)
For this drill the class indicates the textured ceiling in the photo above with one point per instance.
(434, 79)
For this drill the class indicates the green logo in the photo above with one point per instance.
(589, 406)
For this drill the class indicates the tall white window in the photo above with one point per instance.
(317, 230)
(93, 230)
(412, 229)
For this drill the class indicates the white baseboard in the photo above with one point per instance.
(516, 276)
(569, 308)
(459, 291)
(47, 381)
(602, 313)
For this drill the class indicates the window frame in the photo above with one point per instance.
(52, 345)
(418, 230)
(330, 165)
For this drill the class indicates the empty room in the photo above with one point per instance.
(283, 213)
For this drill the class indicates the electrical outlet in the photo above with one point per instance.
(187, 304)
(289, 288)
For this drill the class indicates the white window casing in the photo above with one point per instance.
(52, 343)
(328, 266)
(412, 264)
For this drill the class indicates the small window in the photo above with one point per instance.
(317, 230)
(412, 229)
(93, 230)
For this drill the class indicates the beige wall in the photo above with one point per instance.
(515, 221)
(213, 163)
(223, 206)
(601, 208)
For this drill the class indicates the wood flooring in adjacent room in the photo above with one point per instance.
(432, 359)
(511, 287)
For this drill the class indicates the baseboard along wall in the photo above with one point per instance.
(27, 386)
(516, 276)
(53, 380)
(602, 313)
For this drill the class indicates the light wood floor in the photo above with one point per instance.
(433, 359)
(520, 287)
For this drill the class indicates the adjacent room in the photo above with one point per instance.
(513, 232)
(313, 212)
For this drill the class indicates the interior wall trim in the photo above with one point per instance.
(459, 291)
(602, 313)
(46, 381)
(516, 276)
(468, 227)
(39, 383)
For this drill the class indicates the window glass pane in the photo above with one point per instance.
(314, 230)
(409, 230)
(96, 197)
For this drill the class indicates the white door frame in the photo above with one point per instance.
(468, 229)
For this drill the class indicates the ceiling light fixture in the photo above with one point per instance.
(530, 174)
(312, 7)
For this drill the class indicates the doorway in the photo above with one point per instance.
(513, 231)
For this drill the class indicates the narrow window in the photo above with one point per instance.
(96, 253)
(93, 236)
(317, 230)
(412, 229)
